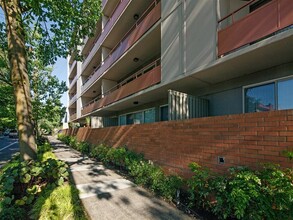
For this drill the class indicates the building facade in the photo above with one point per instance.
(159, 60)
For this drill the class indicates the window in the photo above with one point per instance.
(164, 113)
(122, 120)
(260, 98)
(268, 97)
(149, 115)
(285, 94)
(145, 116)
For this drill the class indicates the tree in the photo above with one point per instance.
(62, 25)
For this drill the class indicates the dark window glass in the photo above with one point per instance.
(260, 98)
(149, 115)
(164, 113)
(122, 120)
(285, 94)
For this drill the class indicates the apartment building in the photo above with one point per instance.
(158, 60)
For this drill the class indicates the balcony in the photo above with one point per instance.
(72, 99)
(73, 117)
(146, 77)
(148, 19)
(72, 67)
(73, 82)
(100, 38)
(263, 22)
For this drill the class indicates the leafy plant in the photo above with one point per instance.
(244, 193)
(22, 181)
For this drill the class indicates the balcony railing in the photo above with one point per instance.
(264, 21)
(146, 21)
(71, 67)
(108, 26)
(73, 117)
(72, 99)
(144, 78)
(71, 84)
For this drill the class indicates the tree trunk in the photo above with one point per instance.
(19, 76)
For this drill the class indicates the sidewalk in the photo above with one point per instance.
(107, 195)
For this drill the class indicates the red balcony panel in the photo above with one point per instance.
(126, 43)
(286, 15)
(151, 78)
(108, 26)
(148, 79)
(264, 21)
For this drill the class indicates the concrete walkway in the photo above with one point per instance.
(107, 195)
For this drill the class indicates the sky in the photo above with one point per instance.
(59, 69)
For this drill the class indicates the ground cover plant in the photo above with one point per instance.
(242, 193)
(25, 186)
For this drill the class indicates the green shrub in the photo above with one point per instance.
(83, 147)
(142, 171)
(22, 181)
(64, 138)
(73, 142)
(244, 193)
(12, 213)
(100, 152)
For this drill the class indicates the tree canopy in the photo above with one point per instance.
(61, 26)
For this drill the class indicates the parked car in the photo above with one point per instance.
(13, 134)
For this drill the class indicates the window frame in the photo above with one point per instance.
(134, 112)
(276, 98)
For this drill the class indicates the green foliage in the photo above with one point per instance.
(12, 213)
(22, 181)
(288, 154)
(83, 147)
(64, 138)
(7, 107)
(142, 171)
(244, 193)
(58, 203)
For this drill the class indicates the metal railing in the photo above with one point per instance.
(104, 28)
(145, 13)
(134, 76)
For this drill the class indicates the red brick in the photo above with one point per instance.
(286, 133)
(268, 124)
(272, 138)
(253, 138)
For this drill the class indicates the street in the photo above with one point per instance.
(8, 147)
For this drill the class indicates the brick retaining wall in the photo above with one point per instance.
(244, 139)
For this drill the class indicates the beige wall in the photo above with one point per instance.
(188, 36)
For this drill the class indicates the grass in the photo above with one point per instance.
(58, 203)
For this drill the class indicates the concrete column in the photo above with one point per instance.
(107, 85)
(78, 90)
(104, 21)
(105, 53)
(96, 122)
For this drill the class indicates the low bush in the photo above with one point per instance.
(22, 181)
(244, 193)
(142, 171)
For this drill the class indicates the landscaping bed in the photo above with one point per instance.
(38, 189)
(242, 193)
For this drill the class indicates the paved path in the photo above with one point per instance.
(8, 147)
(107, 195)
